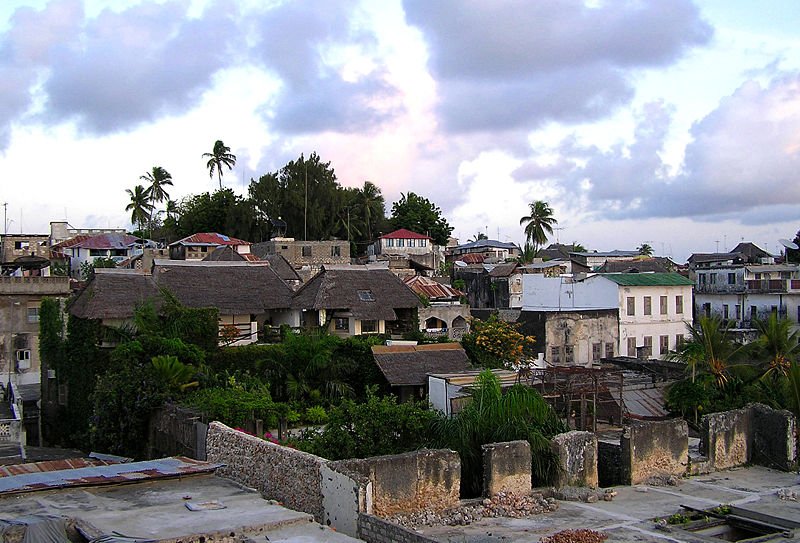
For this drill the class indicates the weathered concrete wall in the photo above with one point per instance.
(345, 494)
(507, 468)
(177, 431)
(577, 455)
(374, 529)
(774, 442)
(280, 473)
(409, 482)
(651, 449)
(727, 438)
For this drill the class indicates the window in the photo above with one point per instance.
(423, 243)
(738, 312)
(33, 314)
(401, 243)
(284, 247)
(731, 278)
(369, 327)
(609, 350)
(774, 309)
(648, 305)
(63, 394)
(21, 245)
(701, 279)
(753, 312)
(390, 243)
(712, 278)
(569, 354)
(632, 346)
(758, 277)
(707, 309)
(662, 302)
(306, 250)
(341, 324)
(725, 312)
(23, 355)
(597, 348)
(648, 345)
(366, 296)
(679, 304)
(411, 243)
(97, 252)
(679, 341)
(631, 305)
(336, 250)
(663, 344)
(555, 355)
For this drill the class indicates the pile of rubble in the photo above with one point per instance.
(575, 536)
(504, 504)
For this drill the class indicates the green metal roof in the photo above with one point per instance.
(648, 279)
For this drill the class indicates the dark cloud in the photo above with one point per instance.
(525, 63)
(128, 67)
(742, 164)
(314, 97)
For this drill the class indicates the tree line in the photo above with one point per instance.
(303, 200)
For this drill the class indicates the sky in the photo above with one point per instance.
(675, 124)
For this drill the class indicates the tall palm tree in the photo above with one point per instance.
(157, 179)
(140, 206)
(220, 156)
(538, 224)
(645, 249)
(709, 349)
(371, 206)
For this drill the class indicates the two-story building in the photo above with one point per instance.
(306, 257)
(81, 249)
(199, 246)
(491, 250)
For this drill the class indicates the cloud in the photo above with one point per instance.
(308, 48)
(521, 64)
(128, 67)
(741, 164)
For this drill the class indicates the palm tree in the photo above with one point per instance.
(477, 237)
(645, 249)
(219, 157)
(172, 208)
(371, 207)
(778, 343)
(140, 206)
(709, 349)
(538, 224)
(157, 179)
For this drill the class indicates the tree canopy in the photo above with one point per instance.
(538, 224)
(420, 215)
(219, 156)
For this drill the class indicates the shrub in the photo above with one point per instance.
(235, 406)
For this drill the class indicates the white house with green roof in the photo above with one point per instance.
(653, 309)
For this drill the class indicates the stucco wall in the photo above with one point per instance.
(651, 449)
(727, 438)
(507, 468)
(577, 455)
(345, 495)
(409, 482)
(774, 442)
(280, 473)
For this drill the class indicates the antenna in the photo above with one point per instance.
(788, 244)
(557, 229)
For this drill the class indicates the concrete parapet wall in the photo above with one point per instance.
(652, 449)
(410, 482)
(728, 438)
(577, 457)
(507, 468)
(345, 495)
(287, 475)
(374, 529)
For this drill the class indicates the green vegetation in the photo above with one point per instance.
(538, 224)
(495, 343)
(422, 216)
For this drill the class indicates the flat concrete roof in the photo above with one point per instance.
(628, 518)
(157, 510)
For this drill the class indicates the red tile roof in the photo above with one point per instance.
(209, 238)
(404, 234)
(430, 288)
(111, 240)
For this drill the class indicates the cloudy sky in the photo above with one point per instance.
(673, 123)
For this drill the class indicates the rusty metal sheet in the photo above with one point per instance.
(105, 474)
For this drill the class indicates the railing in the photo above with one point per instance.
(238, 334)
(719, 289)
(766, 285)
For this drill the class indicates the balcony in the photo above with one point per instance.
(719, 289)
(767, 285)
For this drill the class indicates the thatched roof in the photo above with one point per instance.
(409, 365)
(365, 293)
(282, 267)
(232, 288)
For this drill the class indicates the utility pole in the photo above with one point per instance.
(305, 210)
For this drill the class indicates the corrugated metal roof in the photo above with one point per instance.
(648, 279)
(430, 288)
(105, 474)
(112, 240)
(47, 466)
(209, 238)
(645, 403)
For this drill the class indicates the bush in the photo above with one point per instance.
(235, 406)
(495, 343)
(377, 427)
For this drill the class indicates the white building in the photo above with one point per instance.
(654, 308)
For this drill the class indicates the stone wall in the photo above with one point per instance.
(409, 482)
(577, 455)
(176, 431)
(374, 529)
(774, 442)
(279, 473)
(728, 438)
(653, 449)
(756, 434)
(507, 468)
